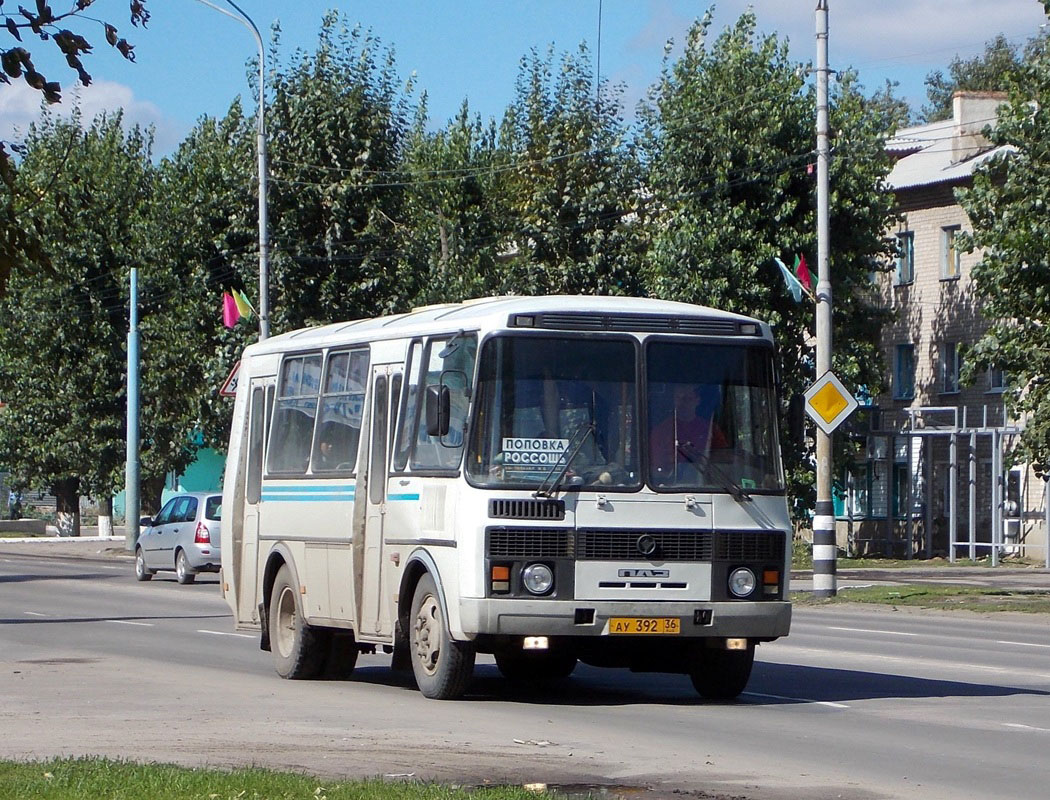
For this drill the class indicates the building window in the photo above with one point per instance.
(905, 258)
(904, 372)
(950, 263)
(949, 368)
(996, 379)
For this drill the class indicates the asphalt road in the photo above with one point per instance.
(856, 703)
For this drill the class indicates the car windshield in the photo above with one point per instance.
(711, 413)
(543, 401)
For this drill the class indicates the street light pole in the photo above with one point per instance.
(824, 545)
(264, 247)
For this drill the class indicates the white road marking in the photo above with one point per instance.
(798, 699)
(227, 633)
(1024, 644)
(130, 622)
(1025, 727)
(867, 630)
(104, 566)
(35, 614)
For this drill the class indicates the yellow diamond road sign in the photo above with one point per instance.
(828, 402)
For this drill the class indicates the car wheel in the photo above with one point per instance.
(299, 651)
(141, 573)
(442, 667)
(721, 674)
(183, 571)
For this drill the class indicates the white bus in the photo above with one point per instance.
(546, 479)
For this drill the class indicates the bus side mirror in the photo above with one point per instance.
(439, 410)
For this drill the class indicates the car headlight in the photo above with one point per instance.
(537, 578)
(742, 582)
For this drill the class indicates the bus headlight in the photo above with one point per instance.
(741, 582)
(537, 578)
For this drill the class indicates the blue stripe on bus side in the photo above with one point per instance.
(320, 494)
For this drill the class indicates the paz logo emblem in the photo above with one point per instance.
(646, 544)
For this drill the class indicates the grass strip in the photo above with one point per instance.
(106, 779)
(939, 597)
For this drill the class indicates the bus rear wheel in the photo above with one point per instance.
(720, 674)
(442, 667)
(543, 665)
(299, 650)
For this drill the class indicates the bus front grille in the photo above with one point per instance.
(617, 544)
(684, 545)
(529, 543)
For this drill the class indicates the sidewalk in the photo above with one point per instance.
(92, 547)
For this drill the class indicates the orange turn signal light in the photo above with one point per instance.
(771, 576)
(501, 573)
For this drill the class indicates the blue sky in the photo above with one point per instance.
(191, 61)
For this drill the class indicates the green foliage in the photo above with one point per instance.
(728, 141)
(1008, 207)
(454, 216)
(338, 121)
(574, 185)
(989, 71)
(63, 334)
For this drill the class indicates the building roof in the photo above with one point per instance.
(946, 151)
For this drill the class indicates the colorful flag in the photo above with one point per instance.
(790, 280)
(802, 271)
(230, 314)
(243, 306)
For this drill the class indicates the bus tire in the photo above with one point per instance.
(342, 656)
(299, 650)
(523, 667)
(720, 674)
(442, 667)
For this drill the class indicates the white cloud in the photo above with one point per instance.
(20, 105)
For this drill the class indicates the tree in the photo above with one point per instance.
(989, 71)
(62, 333)
(339, 120)
(728, 140)
(571, 184)
(20, 246)
(46, 25)
(454, 219)
(1007, 206)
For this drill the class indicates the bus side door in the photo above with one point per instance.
(375, 614)
(246, 555)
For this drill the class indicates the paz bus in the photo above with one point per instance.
(549, 480)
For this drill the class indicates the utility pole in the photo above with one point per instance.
(264, 242)
(824, 547)
(131, 469)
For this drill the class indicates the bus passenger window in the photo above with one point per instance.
(339, 431)
(410, 412)
(293, 423)
(449, 361)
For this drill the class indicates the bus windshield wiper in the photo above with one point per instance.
(557, 472)
(703, 460)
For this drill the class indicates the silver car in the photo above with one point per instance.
(183, 537)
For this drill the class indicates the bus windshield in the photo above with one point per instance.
(543, 401)
(711, 412)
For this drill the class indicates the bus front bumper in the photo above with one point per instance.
(763, 620)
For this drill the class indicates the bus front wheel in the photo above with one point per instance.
(299, 651)
(442, 667)
(720, 674)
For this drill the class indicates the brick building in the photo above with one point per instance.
(903, 488)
